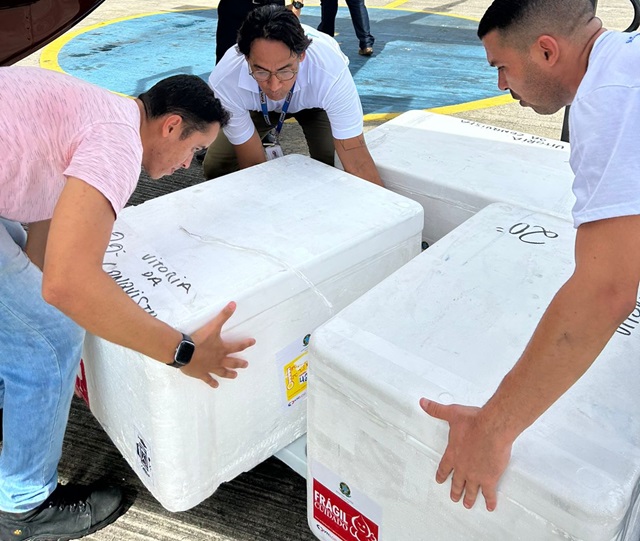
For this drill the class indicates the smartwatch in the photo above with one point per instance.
(297, 5)
(184, 352)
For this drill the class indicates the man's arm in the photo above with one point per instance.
(251, 152)
(75, 283)
(574, 329)
(297, 11)
(355, 158)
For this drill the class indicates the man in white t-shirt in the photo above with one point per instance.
(71, 157)
(282, 69)
(549, 54)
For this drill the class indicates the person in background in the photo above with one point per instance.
(72, 155)
(359, 19)
(279, 71)
(549, 54)
(232, 13)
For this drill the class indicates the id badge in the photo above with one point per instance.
(273, 151)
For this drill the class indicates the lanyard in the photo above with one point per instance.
(285, 108)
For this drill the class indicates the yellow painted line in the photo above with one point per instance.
(49, 55)
(372, 117)
(473, 105)
(49, 60)
(425, 11)
(393, 5)
(449, 109)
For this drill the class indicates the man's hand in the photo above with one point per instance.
(213, 355)
(251, 152)
(475, 453)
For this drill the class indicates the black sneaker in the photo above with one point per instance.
(71, 512)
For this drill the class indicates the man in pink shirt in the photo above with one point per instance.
(72, 155)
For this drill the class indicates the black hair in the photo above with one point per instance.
(188, 96)
(535, 17)
(275, 23)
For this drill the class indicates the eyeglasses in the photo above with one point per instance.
(262, 76)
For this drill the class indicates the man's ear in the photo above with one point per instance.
(547, 50)
(170, 123)
(302, 56)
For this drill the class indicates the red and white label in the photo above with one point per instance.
(341, 518)
(81, 384)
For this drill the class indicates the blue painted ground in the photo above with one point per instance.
(421, 60)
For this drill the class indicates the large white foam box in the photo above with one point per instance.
(455, 167)
(291, 241)
(448, 326)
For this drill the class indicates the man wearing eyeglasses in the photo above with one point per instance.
(279, 70)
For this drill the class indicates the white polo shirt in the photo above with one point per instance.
(323, 81)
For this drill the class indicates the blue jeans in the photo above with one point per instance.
(359, 18)
(40, 351)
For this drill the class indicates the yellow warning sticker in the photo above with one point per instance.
(292, 360)
(295, 377)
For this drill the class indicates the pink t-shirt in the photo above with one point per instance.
(54, 126)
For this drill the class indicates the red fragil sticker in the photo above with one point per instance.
(340, 518)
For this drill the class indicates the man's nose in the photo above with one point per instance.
(502, 81)
(187, 162)
(274, 83)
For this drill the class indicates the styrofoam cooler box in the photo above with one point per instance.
(455, 167)
(448, 326)
(292, 241)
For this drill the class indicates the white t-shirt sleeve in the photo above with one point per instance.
(240, 127)
(604, 154)
(342, 105)
(109, 158)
